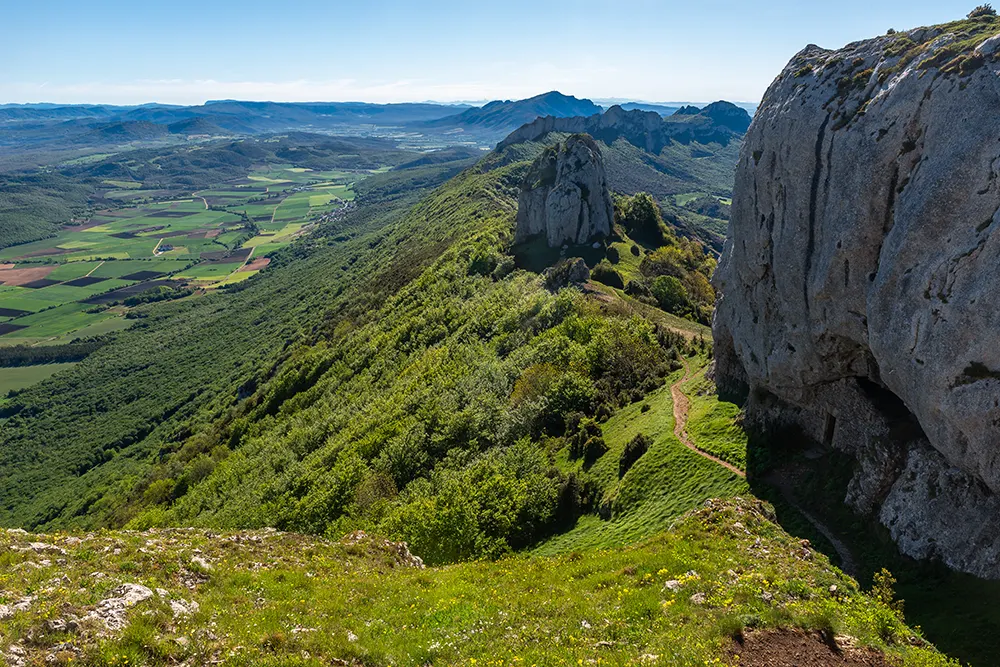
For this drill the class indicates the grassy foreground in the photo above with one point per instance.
(269, 598)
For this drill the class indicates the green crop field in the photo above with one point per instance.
(14, 379)
(174, 240)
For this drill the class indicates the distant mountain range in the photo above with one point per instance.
(61, 129)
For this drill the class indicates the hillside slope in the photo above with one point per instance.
(268, 598)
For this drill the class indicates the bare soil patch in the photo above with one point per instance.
(86, 281)
(16, 276)
(125, 292)
(46, 252)
(171, 214)
(175, 233)
(7, 328)
(85, 226)
(255, 265)
(143, 275)
(797, 648)
(13, 312)
(39, 284)
(224, 257)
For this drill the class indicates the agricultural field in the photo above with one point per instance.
(65, 286)
(15, 379)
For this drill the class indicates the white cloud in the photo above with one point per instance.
(498, 80)
(196, 92)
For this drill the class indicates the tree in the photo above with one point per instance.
(640, 215)
(982, 10)
(669, 293)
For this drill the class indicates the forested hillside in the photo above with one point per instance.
(385, 374)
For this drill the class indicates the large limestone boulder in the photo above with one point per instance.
(565, 195)
(860, 298)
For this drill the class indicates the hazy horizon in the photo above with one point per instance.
(601, 101)
(183, 52)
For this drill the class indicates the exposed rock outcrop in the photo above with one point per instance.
(859, 291)
(719, 122)
(565, 195)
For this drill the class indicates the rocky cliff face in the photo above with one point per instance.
(565, 195)
(859, 283)
(719, 122)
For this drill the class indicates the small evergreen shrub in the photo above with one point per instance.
(982, 10)
(634, 450)
(593, 449)
(605, 273)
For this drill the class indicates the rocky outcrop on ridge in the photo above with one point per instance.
(859, 291)
(719, 122)
(565, 195)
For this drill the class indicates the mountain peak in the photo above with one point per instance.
(500, 116)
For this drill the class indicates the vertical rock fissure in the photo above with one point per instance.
(814, 195)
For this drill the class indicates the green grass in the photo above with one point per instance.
(687, 197)
(666, 482)
(712, 424)
(72, 270)
(103, 326)
(281, 599)
(25, 376)
(61, 320)
(86, 159)
(209, 271)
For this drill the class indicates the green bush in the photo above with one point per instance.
(669, 292)
(605, 273)
(593, 449)
(633, 451)
(641, 217)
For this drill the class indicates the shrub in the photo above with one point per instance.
(884, 590)
(504, 268)
(586, 430)
(982, 10)
(640, 215)
(483, 262)
(669, 293)
(570, 393)
(634, 450)
(593, 449)
(637, 289)
(605, 273)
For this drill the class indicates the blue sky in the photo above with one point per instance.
(390, 51)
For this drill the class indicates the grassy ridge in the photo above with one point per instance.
(277, 599)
